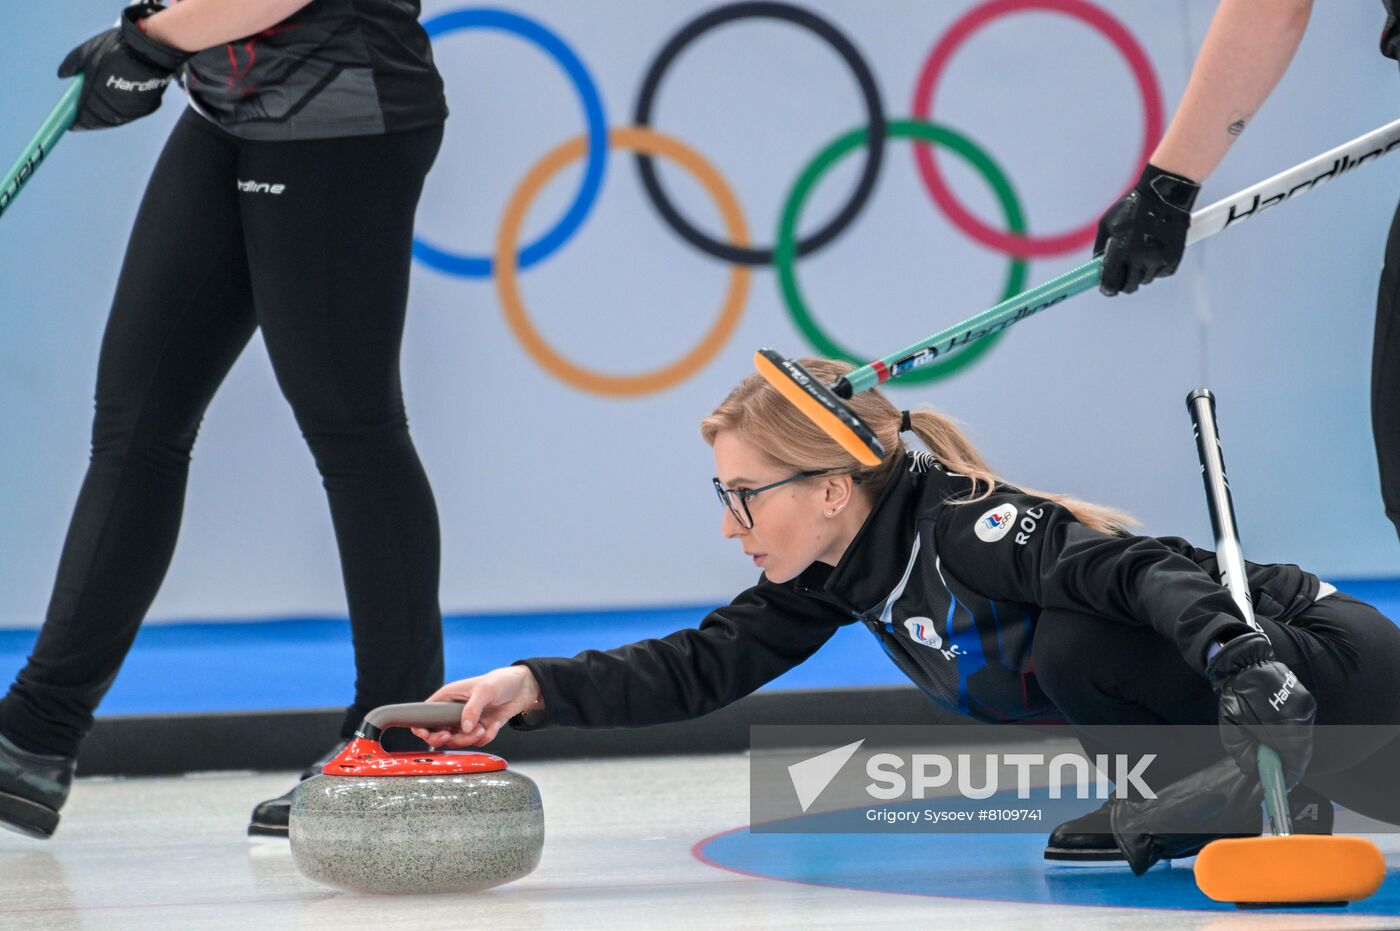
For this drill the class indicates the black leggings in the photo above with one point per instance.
(310, 242)
(1385, 375)
(1345, 652)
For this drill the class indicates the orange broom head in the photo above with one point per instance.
(1293, 870)
(820, 405)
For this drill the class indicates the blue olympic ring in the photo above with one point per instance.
(481, 266)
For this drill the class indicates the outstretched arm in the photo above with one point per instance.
(763, 633)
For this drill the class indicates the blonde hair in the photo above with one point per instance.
(756, 410)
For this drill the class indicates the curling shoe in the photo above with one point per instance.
(270, 818)
(1086, 839)
(33, 787)
(1089, 839)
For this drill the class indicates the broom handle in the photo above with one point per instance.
(1230, 557)
(1240, 206)
(53, 128)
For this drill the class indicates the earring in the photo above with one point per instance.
(831, 512)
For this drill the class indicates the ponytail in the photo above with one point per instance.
(785, 435)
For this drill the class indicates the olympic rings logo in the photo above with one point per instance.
(510, 257)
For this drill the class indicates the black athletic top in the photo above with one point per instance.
(333, 68)
(951, 591)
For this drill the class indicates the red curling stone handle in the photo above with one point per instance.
(364, 756)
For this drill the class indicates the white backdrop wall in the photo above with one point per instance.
(553, 497)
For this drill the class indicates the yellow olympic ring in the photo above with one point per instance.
(648, 142)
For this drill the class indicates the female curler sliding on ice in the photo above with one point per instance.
(1056, 612)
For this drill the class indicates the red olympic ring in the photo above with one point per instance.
(1009, 243)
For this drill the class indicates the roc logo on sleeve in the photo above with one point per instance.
(921, 629)
(996, 523)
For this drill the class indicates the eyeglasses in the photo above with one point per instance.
(737, 499)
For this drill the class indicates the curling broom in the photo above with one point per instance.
(1282, 869)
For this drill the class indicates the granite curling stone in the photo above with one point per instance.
(431, 821)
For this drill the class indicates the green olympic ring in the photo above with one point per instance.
(785, 249)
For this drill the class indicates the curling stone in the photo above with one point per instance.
(375, 821)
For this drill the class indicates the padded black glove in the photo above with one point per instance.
(1143, 235)
(1262, 701)
(125, 71)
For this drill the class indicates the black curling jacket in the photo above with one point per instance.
(952, 592)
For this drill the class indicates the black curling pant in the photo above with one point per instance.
(1385, 375)
(310, 242)
(1346, 653)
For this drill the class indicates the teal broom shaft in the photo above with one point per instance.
(1205, 222)
(55, 125)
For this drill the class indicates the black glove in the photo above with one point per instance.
(125, 71)
(1262, 701)
(1143, 235)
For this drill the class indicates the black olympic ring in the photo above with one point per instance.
(868, 89)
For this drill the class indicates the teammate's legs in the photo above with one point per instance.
(181, 315)
(1385, 375)
(330, 252)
